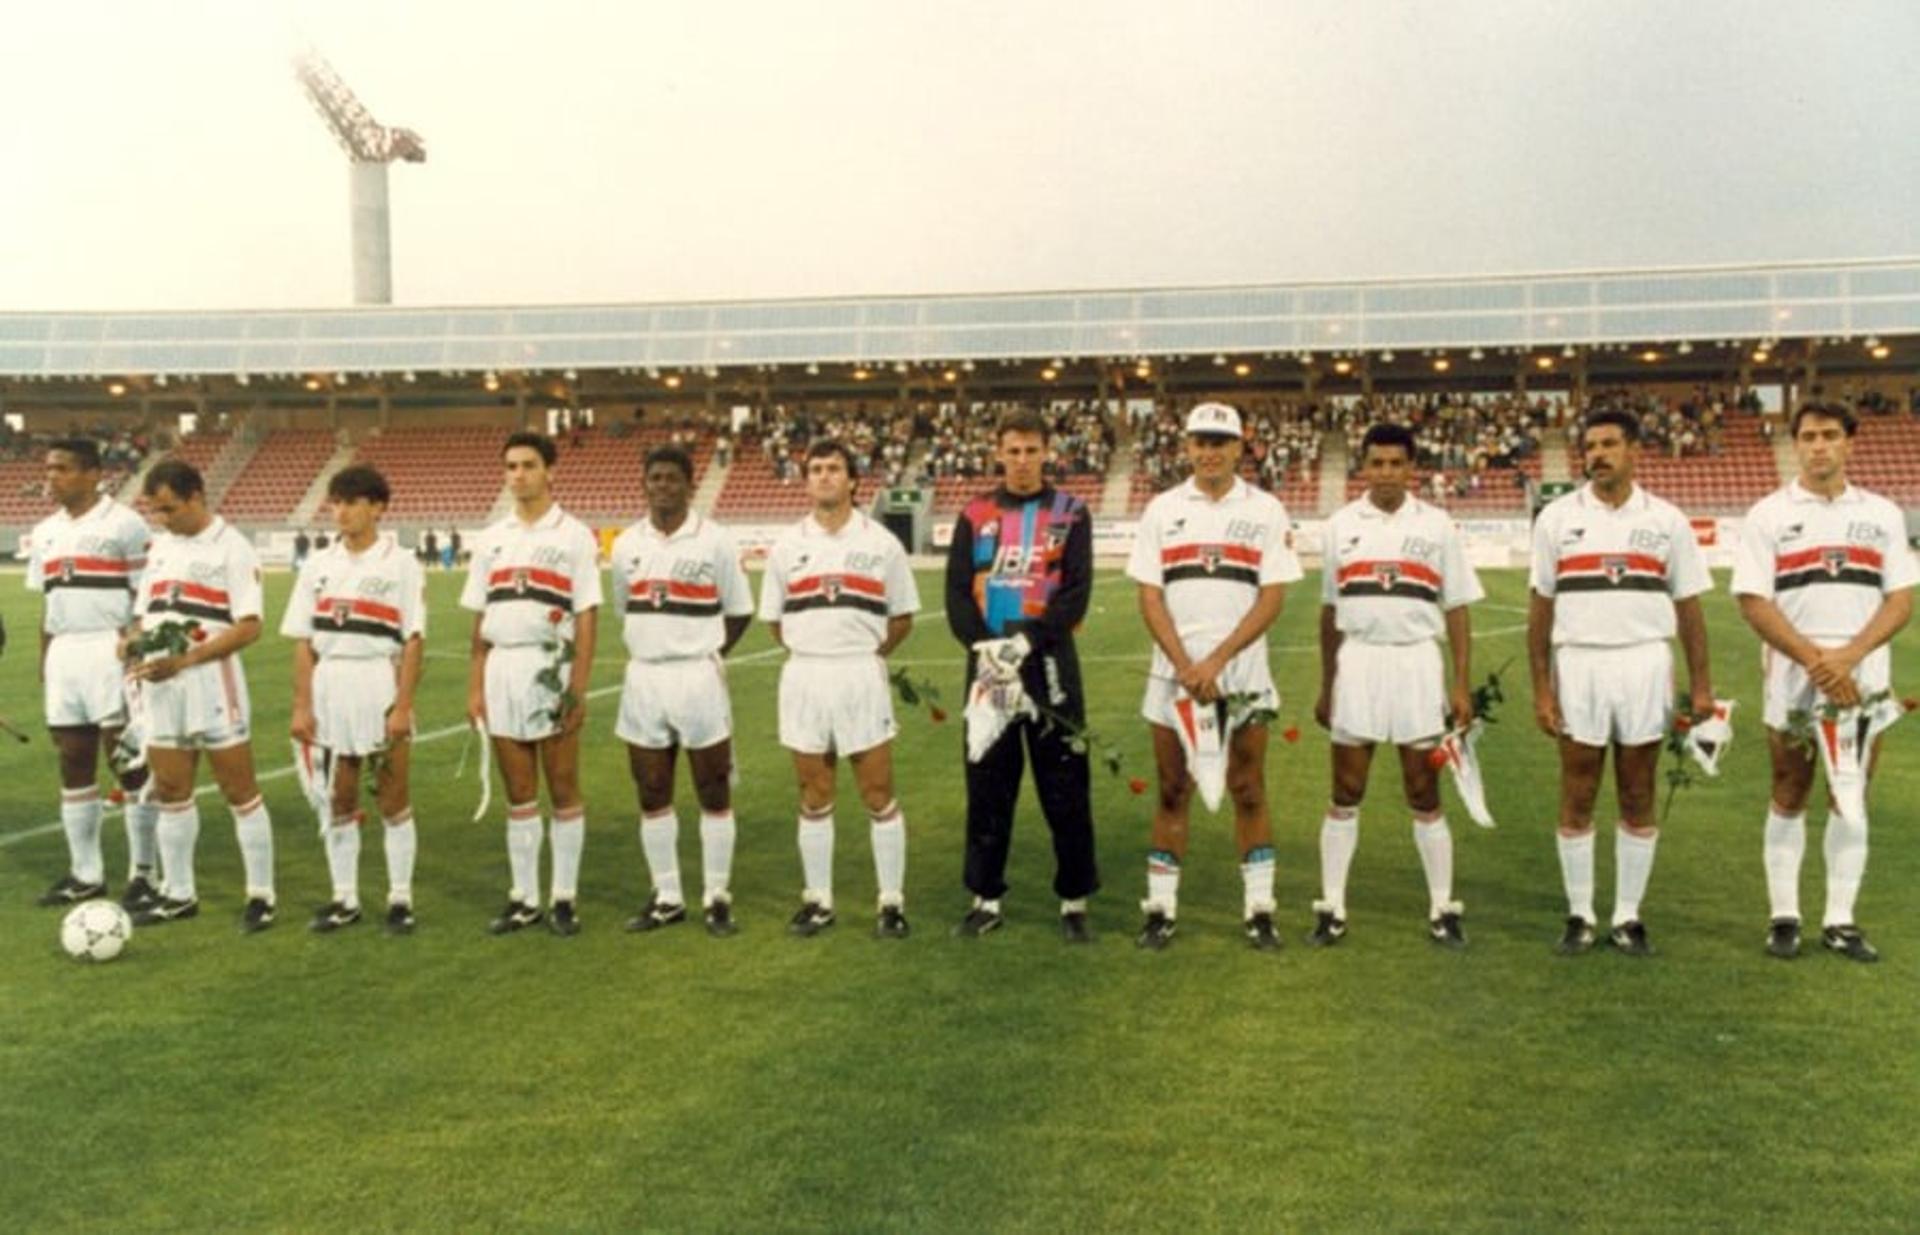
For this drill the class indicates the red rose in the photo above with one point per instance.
(1437, 757)
(939, 715)
(116, 796)
(1910, 703)
(555, 616)
(197, 635)
(1137, 785)
(1683, 723)
(1290, 734)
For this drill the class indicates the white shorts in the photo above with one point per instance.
(202, 708)
(351, 699)
(667, 703)
(1788, 688)
(1389, 692)
(86, 683)
(842, 704)
(518, 707)
(1243, 675)
(1615, 694)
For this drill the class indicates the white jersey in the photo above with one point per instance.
(212, 578)
(531, 580)
(1614, 575)
(358, 606)
(1826, 564)
(833, 592)
(1212, 558)
(678, 589)
(88, 568)
(1392, 577)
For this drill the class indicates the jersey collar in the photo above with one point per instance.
(688, 527)
(1800, 493)
(1636, 499)
(1234, 493)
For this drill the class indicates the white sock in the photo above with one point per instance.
(402, 841)
(1256, 881)
(1163, 883)
(1435, 843)
(343, 858)
(1846, 851)
(1632, 865)
(569, 835)
(80, 816)
(1576, 871)
(1786, 846)
(716, 855)
(177, 831)
(660, 842)
(143, 843)
(1339, 837)
(888, 831)
(816, 855)
(523, 852)
(254, 830)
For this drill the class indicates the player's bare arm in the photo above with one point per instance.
(1460, 650)
(400, 715)
(302, 725)
(585, 627)
(1153, 610)
(1692, 622)
(773, 629)
(1330, 640)
(899, 626)
(477, 674)
(736, 629)
(1546, 708)
(226, 643)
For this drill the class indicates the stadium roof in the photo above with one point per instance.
(1796, 300)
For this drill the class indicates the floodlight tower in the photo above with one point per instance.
(370, 146)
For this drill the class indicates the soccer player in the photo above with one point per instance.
(86, 562)
(1394, 579)
(1019, 576)
(840, 598)
(1825, 578)
(1212, 557)
(687, 603)
(1615, 571)
(534, 587)
(203, 582)
(359, 613)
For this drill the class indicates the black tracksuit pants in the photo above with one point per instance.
(1061, 777)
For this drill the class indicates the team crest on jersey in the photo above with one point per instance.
(342, 610)
(175, 590)
(1210, 558)
(520, 581)
(1387, 572)
(1057, 536)
(66, 569)
(830, 588)
(1614, 567)
(1835, 560)
(989, 530)
(657, 594)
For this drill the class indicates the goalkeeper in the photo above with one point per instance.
(1019, 575)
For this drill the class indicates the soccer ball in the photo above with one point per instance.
(95, 931)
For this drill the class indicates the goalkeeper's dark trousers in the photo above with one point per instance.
(1060, 776)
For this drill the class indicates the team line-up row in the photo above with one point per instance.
(141, 636)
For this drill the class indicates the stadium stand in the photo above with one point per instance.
(1886, 457)
(438, 475)
(278, 475)
(23, 465)
(600, 471)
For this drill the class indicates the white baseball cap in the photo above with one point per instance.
(1215, 419)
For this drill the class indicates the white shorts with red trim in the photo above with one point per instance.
(201, 708)
(518, 707)
(1244, 675)
(1389, 692)
(1788, 689)
(86, 683)
(1613, 695)
(842, 704)
(668, 703)
(351, 699)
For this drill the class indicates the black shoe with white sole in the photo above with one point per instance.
(1847, 941)
(70, 891)
(656, 914)
(330, 918)
(518, 915)
(1783, 938)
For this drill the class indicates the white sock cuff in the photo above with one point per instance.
(888, 814)
(570, 816)
(402, 820)
(658, 817)
(75, 797)
(246, 810)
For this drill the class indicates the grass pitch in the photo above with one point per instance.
(675, 1082)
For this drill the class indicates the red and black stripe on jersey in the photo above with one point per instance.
(836, 592)
(189, 600)
(1610, 572)
(89, 572)
(350, 615)
(645, 596)
(1411, 580)
(530, 583)
(1854, 564)
(1232, 563)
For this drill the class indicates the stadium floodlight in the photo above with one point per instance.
(966, 366)
(370, 147)
(1873, 342)
(1476, 354)
(1566, 352)
(1219, 360)
(1684, 348)
(813, 370)
(1386, 357)
(1881, 351)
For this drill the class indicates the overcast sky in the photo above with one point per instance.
(161, 155)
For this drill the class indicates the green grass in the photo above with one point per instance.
(675, 1082)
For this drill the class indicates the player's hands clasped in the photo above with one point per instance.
(1201, 679)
